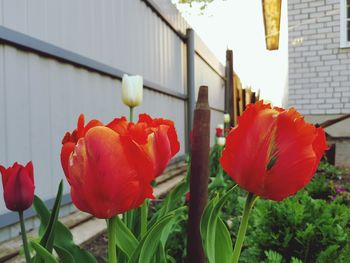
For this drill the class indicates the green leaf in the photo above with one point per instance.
(126, 240)
(204, 226)
(223, 243)
(147, 247)
(63, 237)
(210, 229)
(42, 252)
(64, 255)
(49, 235)
(273, 257)
(295, 260)
(170, 202)
(161, 254)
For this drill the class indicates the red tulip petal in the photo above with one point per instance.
(4, 175)
(319, 145)
(174, 141)
(139, 132)
(247, 147)
(145, 118)
(296, 159)
(30, 170)
(66, 138)
(77, 170)
(99, 160)
(171, 132)
(159, 150)
(80, 126)
(66, 151)
(119, 125)
(91, 124)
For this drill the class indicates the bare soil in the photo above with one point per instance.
(98, 247)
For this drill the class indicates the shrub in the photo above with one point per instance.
(308, 229)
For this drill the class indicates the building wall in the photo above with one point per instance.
(319, 70)
(41, 97)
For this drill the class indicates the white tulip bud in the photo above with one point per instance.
(222, 141)
(227, 118)
(132, 90)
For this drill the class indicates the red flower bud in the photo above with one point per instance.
(273, 152)
(187, 197)
(18, 184)
(218, 132)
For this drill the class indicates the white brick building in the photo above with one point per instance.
(319, 60)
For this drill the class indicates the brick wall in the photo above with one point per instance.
(319, 70)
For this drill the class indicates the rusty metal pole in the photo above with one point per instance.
(190, 57)
(229, 105)
(199, 176)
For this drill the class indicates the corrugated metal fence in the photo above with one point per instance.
(62, 58)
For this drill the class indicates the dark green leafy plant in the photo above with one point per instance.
(302, 227)
(330, 171)
(320, 187)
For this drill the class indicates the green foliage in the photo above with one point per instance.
(126, 240)
(49, 235)
(299, 227)
(320, 187)
(330, 171)
(214, 157)
(218, 178)
(148, 246)
(60, 236)
(312, 226)
(272, 257)
(171, 201)
(215, 235)
(43, 253)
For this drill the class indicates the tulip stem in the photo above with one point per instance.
(112, 248)
(251, 198)
(131, 114)
(144, 214)
(24, 237)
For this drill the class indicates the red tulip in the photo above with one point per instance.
(18, 183)
(110, 168)
(273, 152)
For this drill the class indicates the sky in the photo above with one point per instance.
(238, 25)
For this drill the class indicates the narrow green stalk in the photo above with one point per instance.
(131, 118)
(112, 248)
(24, 237)
(144, 214)
(251, 198)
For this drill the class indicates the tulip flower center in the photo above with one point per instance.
(271, 163)
(272, 151)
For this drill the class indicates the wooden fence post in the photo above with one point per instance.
(199, 176)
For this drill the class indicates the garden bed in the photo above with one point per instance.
(89, 231)
(314, 226)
